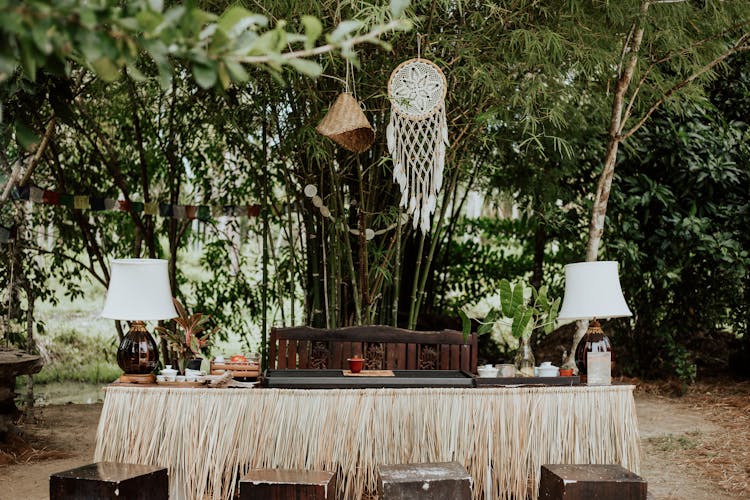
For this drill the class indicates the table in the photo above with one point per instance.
(13, 363)
(210, 437)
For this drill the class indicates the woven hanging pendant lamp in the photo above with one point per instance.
(346, 125)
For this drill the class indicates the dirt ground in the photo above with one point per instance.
(695, 447)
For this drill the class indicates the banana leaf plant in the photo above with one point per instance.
(189, 337)
(524, 314)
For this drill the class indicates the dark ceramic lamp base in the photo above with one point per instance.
(138, 354)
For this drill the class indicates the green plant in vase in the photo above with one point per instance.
(524, 312)
(190, 337)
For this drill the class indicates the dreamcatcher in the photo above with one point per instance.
(417, 135)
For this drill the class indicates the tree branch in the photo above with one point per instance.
(740, 46)
(323, 49)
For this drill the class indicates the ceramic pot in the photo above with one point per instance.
(356, 364)
(194, 364)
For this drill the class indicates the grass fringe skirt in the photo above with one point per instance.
(208, 438)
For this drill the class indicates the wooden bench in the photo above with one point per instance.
(382, 347)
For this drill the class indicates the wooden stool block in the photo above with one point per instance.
(590, 482)
(110, 480)
(436, 481)
(275, 484)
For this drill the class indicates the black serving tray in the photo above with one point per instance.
(335, 379)
(504, 381)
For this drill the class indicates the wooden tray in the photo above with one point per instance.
(520, 381)
(181, 384)
(369, 373)
(238, 369)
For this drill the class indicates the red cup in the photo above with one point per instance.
(566, 372)
(355, 364)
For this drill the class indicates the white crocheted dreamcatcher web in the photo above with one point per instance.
(417, 136)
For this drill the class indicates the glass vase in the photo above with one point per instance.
(524, 360)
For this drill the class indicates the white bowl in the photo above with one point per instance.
(487, 372)
(548, 371)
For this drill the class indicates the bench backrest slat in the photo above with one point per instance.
(383, 347)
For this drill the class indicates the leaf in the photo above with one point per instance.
(398, 7)
(306, 67)
(28, 59)
(205, 76)
(552, 316)
(237, 71)
(313, 29)
(521, 322)
(195, 345)
(484, 328)
(541, 297)
(506, 294)
(465, 324)
(106, 69)
(224, 77)
(156, 5)
(26, 137)
(517, 300)
(237, 19)
(343, 30)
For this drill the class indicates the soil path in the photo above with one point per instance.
(685, 450)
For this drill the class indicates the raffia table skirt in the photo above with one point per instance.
(208, 438)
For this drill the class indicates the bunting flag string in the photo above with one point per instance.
(98, 204)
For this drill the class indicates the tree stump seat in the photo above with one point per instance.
(590, 482)
(287, 484)
(110, 481)
(426, 481)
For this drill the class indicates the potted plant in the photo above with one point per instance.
(523, 312)
(189, 337)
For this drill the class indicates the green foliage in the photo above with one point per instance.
(71, 356)
(678, 231)
(524, 314)
(189, 338)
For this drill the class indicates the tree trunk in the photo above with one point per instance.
(599, 209)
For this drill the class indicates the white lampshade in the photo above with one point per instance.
(592, 290)
(139, 291)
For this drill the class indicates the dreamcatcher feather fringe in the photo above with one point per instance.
(418, 151)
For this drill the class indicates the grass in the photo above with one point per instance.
(671, 443)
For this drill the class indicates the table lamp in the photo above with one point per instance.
(592, 292)
(138, 291)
